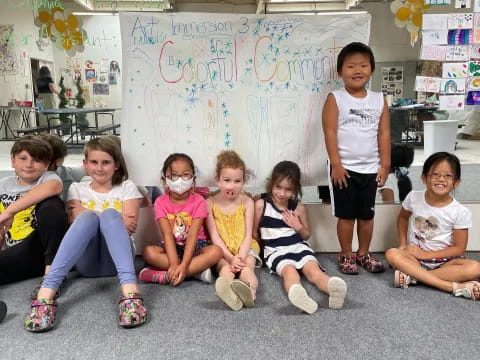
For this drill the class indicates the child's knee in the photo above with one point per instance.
(392, 255)
(215, 252)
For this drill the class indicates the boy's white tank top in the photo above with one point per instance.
(358, 120)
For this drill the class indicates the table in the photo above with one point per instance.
(6, 111)
(72, 116)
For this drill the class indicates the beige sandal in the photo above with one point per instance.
(244, 292)
(223, 290)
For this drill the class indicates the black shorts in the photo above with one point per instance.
(357, 201)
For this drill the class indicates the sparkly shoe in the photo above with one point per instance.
(132, 311)
(370, 263)
(42, 315)
(152, 275)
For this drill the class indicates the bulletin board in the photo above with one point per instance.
(198, 83)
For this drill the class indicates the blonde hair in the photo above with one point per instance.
(230, 159)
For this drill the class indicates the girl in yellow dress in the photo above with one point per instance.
(230, 223)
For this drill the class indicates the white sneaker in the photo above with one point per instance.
(205, 276)
(299, 298)
(337, 289)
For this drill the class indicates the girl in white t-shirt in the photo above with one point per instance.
(103, 214)
(433, 234)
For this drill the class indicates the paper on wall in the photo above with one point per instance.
(460, 21)
(454, 70)
(453, 86)
(473, 83)
(427, 84)
(457, 53)
(433, 52)
(452, 102)
(435, 21)
(435, 37)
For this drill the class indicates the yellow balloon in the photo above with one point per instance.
(417, 19)
(72, 21)
(44, 17)
(60, 25)
(403, 13)
(77, 37)
(67, 43)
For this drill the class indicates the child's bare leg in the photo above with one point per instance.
(408, 264)
(296, 293)
(364, 234)
(312, 272)
(206, 258)
(156, 256)
(46, 293)
(345, 235)
(248, 274)
(224, 270)
(458, 270)
(290, 277)
(130, 288)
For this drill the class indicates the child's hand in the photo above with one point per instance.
(178, 274)
(292, 220)
(382, 177)
(130, 222)
(237, 264)
(339, 176)
(416, 252)
(6, 220)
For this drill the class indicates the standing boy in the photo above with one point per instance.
(32, 215)
(357, 136)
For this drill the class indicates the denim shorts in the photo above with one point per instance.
(181, 248)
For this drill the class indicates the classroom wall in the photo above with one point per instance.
(24, 43)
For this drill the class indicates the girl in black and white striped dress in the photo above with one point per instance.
(282, 222)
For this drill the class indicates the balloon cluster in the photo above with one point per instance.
(408, 14)
(64, 30)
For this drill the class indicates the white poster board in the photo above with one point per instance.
(198, 83)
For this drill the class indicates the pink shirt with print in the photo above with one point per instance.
(180, 215)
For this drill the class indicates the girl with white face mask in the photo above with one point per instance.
(180, 212)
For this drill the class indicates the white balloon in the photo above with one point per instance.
(412, 28)
(400, 24)
(395, 5)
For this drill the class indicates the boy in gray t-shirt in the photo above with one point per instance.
(32, 215)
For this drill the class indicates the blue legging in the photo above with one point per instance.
(98, 246)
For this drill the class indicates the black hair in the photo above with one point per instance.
(174, 157)
(402, 158)
(355, 48)
(438, 157)
(286, 170)
(59, 148)
(44, 72)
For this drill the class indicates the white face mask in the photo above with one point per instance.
(179, 186)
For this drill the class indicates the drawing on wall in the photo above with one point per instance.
(427, 84)
(473, 83)
(114, 67)
(437, 2)
(100, 89)
(460, 37)
(453, 86)
(8, 60)
(463, 4)
(112, 78)
(104, 65)
(253, 83)
(473, 98)
(454, 70)
(90, 75)
(451, 102)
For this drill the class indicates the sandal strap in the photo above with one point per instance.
(44, 302)
(130, 296)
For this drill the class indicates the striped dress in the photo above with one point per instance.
(283, 245)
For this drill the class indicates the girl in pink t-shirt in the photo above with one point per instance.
(180, 212)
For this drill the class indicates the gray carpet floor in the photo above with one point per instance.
(189, 322)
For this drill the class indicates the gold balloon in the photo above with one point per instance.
(77, 37)
(403, 13)
(72, 21)
(417, 19)
(67, 43)
(60, 25)
(44, 17)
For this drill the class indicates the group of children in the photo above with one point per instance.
(102, 215)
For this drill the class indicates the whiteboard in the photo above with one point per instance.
(198, 83)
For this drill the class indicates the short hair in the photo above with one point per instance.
(59, 148)
(402, 155)
(174, 157)
(355, 48)
(36, 147)
(286, 170)
(438, 157)
(230, 159)
(110, 146)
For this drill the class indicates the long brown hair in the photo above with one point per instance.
(111, 147)
(286, 170)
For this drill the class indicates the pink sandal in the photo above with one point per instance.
(470, 291)
(402, 280)
(132, 311)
